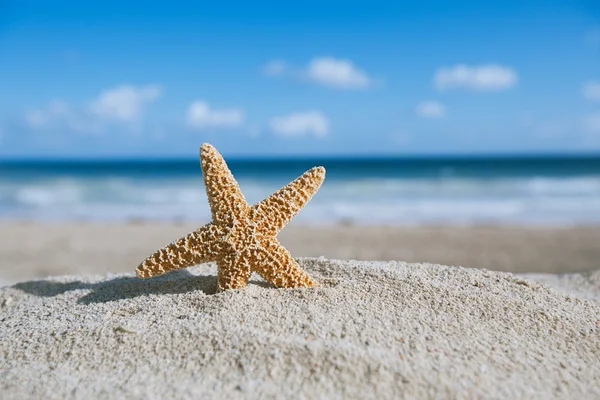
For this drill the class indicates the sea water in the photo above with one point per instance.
(401, 191)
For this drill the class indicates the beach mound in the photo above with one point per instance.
(376, 329)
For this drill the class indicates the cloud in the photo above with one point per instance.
(275, 68)
(301, 124)
(490, 77)
(201, 116)
(431, 109)
(340, 74)
(42, 118)
(326, 71)
(59, 114)
(121, 104)
(591, 90)
(124, 103)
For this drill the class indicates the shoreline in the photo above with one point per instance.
(34, 250)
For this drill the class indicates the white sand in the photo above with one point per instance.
(584, 285)
(384, 329)
(32, 250)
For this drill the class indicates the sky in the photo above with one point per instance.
(149, 79)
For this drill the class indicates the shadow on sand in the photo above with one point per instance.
(128, 287)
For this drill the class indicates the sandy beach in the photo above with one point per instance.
(34, 250)
(77, 323)
(375, 329)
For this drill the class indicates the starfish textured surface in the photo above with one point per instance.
(241, 239)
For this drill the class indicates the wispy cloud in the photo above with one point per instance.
(121, 104)
(325, 71)
(201, 116)
(60, 114)
(431, 109)
(275, 68)
(489, 77)
(44, 117)
(339, 74)
(591, 90)
(301, 124)
(124, 103)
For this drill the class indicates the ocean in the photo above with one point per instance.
(404, 191)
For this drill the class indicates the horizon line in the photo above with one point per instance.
(302, 157)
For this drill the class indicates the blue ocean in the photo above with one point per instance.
(404, 191)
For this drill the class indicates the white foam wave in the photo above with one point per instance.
(398, 201)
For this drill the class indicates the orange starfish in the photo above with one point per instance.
(241, 239)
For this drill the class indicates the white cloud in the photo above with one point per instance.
(488, 77)
(335, 73)
(200, 116)
(591, 90)
(55, 111)
(124, 103)
(275, 68)
(326, 71)
(431, 109)
(60, 114)
(301, 124)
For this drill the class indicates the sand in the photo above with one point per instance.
(376, 329)
(34, 250)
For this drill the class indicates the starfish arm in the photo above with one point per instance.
(224, 195)
(277, 266)
(233, 273)
(195, 248)
(276, 211)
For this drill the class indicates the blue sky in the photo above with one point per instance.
(145, 79)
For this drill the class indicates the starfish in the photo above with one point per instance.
(241, 239)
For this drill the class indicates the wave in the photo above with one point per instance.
(526, 200)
